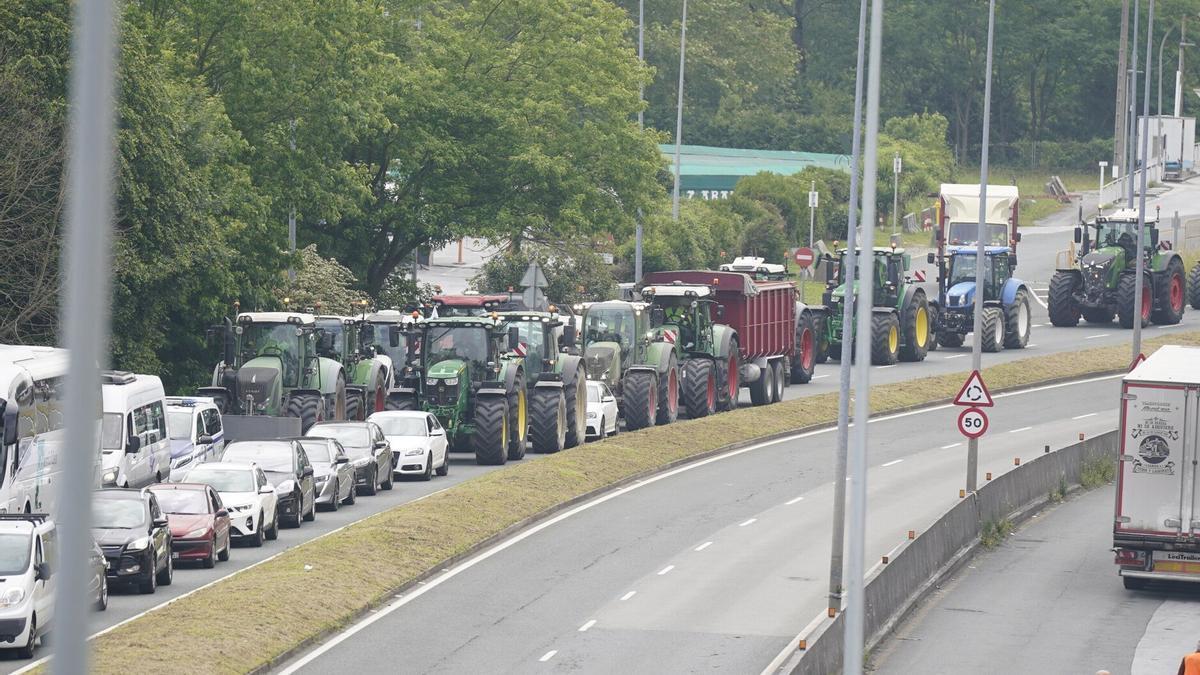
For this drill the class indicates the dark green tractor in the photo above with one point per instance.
(1102, 281)
(368, 369)
(901, 327)
(624, 351)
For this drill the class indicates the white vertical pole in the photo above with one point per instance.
(679, 111)
(637, 250)
(1141, 235)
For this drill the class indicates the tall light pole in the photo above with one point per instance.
(1131, 155)
(848, 275)
(1122, 79)
(896, 166)
(1179, 69)
(1139, 282)
(637, 249)
(1158, 142)
(679, 111)
(1100, 195)
(980, 244)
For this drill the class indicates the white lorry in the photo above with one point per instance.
(1156, 527)
(958, 214)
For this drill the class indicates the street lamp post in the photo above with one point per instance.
(896, 166)
(637, 249)
(1132, 130)
(1100, 195)
(679, 111)
(1139, 282)
(1158, 139)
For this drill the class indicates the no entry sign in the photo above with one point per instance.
(804, 257)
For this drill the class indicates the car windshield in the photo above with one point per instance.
(467, 343)
(223, 480)
(593, 394)
(14, 553)
(402, 426)
(349, 436)
(189, 502)
(110, 431)
(118, 514)
(269, 456)
(179, 424)
(319, 452)
(609, 324)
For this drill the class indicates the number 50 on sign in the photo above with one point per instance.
(972, 423)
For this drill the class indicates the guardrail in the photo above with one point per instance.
(1118, 190)
(908, 572)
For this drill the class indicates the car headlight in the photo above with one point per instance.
(196, 534)
(12, 596)
(139, 544)
(110, 476)
(591, 415)
(412, 452)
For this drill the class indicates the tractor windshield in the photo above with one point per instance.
(962, 268)
(879, 265)
(467, 343)
(995, 272)
(282, 340)
(533, 336)
(610, 324)
(1121, 233)
(335, 328)
(377, 336)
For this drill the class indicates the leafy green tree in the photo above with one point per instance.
(322, 285)
(578, 276)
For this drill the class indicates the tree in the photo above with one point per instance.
(322, 284)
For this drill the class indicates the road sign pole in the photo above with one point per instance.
(637, 250)
(1139, 282)
(812, 212)
(679, 111)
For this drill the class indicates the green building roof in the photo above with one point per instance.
(708, 169)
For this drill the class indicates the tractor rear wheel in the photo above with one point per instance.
(310, 408)
(641, 399)
(1097, 314)
(804, 359)
(1171, 295)
(1017, 321)
(821, 333)
(1126, 292)
(931, 342)
(668, 393)
(699, 387)
(490, 440)
(729, 379)
(518, 418)
(575, 397)
(400, 402)
(992, 338)
(762, 388)
(548, 419)
(377, 397)
(354, 405)
(885, 339)
(1064, 311)
(915, 328)
(1194, 287)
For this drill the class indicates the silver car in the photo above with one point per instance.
(332, 472)
(370, 453)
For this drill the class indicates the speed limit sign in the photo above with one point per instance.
(972, 422)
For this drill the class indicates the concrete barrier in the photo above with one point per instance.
(918, 565)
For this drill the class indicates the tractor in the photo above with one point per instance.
(1006, 309)
(900, 321)
(377, 334)
(1102, 280)
(272, 365)
(623, 349)
(368, 370)
(473, 379)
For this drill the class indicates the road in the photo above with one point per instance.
(712, 567)
(1048, 600)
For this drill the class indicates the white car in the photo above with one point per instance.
(418, 442)
(248, 496)
(26, 581)
(197, 436)
(601, 411)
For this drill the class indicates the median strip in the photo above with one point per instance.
(257, 617)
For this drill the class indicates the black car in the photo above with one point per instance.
(134, 534)
(287, 467)
(369, 451)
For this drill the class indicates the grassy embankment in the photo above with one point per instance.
(253, 617)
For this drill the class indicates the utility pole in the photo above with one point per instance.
(1179, 70)
(1122, 66)
(1139, 282)
(1159, 146)
(1131, 162)
(848, 275)
(813, 204)
(980, 245)
(292, 217)
(679, 111)
(637, 249)
(856, 603)
(896, 166)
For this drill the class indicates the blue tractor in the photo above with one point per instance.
(1006, 310)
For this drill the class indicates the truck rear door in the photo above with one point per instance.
(1156, 489)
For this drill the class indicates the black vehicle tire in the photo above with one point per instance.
(336, 502)
(444, 469)
(729, 382)
(150, 584)
(1194, 286)
(779, 379)
(1016, 334)
(885, 339)
(699, 389)
(256, 540)
(372, 486)
(992, 338)
(167, 576)
(575, 400)
(490, 440)
(311, 514)
(428, 475)
(355, 405)
(223, 556)
(518, 419)
(377, 396)
(102, 601)
(804, 359)
(400, 402)
(547, 420)
(389, 482)
(26, 650)
(339, 400)
(951, 340)
(310, 408)
(1170, 295)
(1063, 309)
(914, 328)
(641, 399)
(1097, 314)
(211, 561)
(821, 340)
(668, 393)
(294, 521)
(931, 342)
(273, 533)
(1126, 292)
(351, 496)
(761, 389)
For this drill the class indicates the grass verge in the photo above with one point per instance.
(995, 532)
(252, 618)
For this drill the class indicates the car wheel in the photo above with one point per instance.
(352, 495)
(336, 502)
(445, 467)
(211, 561)
(273, 532)
(370, 487)
(294, 521)
(256, 539)
(168, 574)
(223, 556)
(26, 652)
(102, 601)
(390, 473)
(428, 468)
(311, 514)
(150, 583)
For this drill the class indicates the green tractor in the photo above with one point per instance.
(634, 359)
(1102, 281)
(474, 381)
(901, 328)
(272, 365)
(377, 334)
(556, 379)
(368, 370)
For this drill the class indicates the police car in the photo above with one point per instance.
(197, 435)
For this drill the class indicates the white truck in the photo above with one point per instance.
(958, 215)
(1156, 526)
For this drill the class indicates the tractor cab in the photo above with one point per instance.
(277, 341)
(998, 263)
(541, 336)
(682, 314)
(340, 339)
(610, 337)
(467, 304)
(1115, 234)
(456, 355)
(888, 267)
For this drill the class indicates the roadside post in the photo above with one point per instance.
(814, 200)
(1100, 195)
(973, 421)
(897, 165)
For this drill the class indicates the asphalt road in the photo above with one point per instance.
(710, 568)
(1048, 600)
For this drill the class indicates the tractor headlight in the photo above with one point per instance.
(451, 381)
(430, 381)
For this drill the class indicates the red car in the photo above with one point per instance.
(199, 522)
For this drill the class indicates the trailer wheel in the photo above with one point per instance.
(779, 380)
(762, 388)
(548, 420)
(729, 379)
(490, 439)
(699, 388)
(804, 361)
(641, 399)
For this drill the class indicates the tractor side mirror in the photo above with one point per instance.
(720, 312)
(657, 317)
(1012, 260)
(394, 335)
(569, 338)
(514, 337)
(1078, 235)
(1017, 237)
(930, 258)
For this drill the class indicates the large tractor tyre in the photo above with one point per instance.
(1097, 314)
(355, 404)
(668, 393)
(310, 408)
(1194, 287)
(885, 339)
(518, 419)
(377, 397)
(821, 341)
(931, 341)
(490, 440)
(804, 361)
(1126, 292)
(914, 324)
(400, 402)
(699, 387)
(992, 337)
(1171, 295)
(641, 399)
(729, 379)
(1064, 311)
(1017, 321)
(761, 390)
(335, 401)
(547, 420)
(951, 340)
(575, 398)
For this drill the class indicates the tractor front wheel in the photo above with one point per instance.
(804, 360)
(668, 393)
(1194, 287)
(518, 419)
(308, 407)
(1126, 293)
(355, 404)
(490, 439)
(1171, 295)
(1097, 314)
(951, 340)
(575, 398)
(400, 402)
(1017, 321)
(548, 419)
(885, 339)
(992, 339)
(915, 328)
(1063, 309)
(641, 399)
(729, 379)
(699, 387)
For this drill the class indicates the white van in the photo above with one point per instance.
(197, 435)
(27, 549)
(134, 444)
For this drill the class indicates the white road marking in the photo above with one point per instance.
(1040, 301)
(818, 377)
(891, 366)
(952, 445)
(522, 536)
(589, 624)
(628, 595)
(1093, 337)
(797, 499)
(666, 569)
(703, 546)
(1017, 431)
(1037, 325)
(894, 462)
(954, 356)
(1028, 346)
(548, 655)
(1079, 417)
(1175, 325)
(752, 520)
